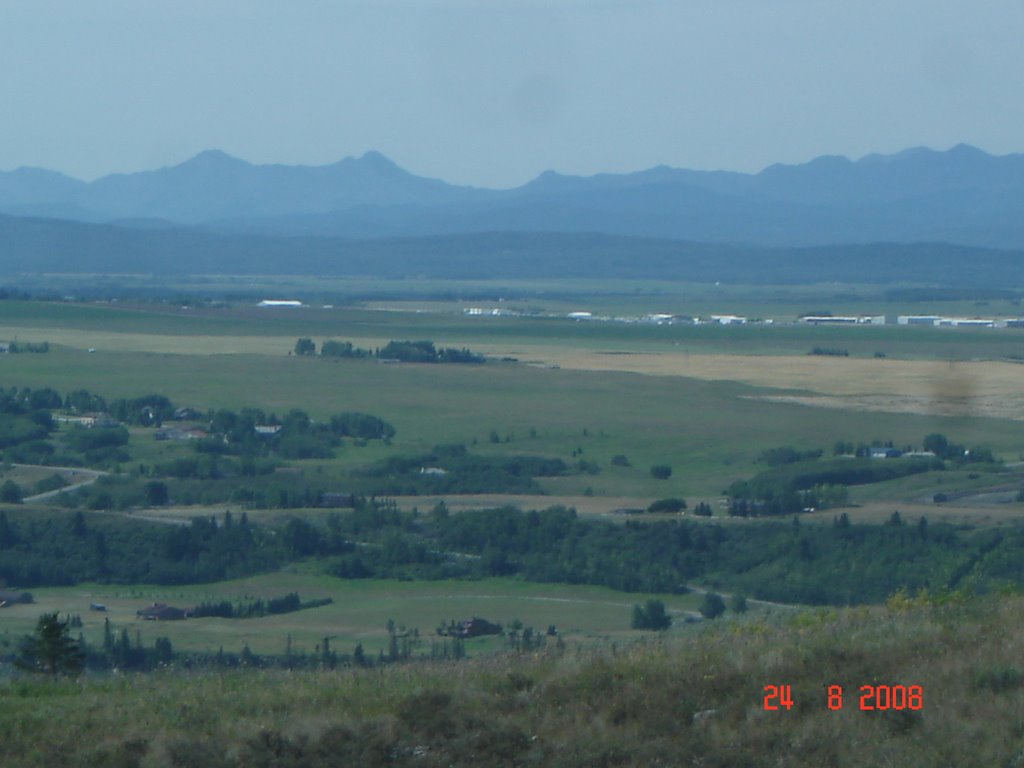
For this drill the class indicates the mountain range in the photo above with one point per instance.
(963, 196)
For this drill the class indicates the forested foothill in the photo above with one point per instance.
(835, 564)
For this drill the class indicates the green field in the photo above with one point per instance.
(359, 613)
(710, 431)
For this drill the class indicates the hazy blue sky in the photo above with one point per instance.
(492, 92)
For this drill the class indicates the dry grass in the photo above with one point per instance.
(964, 388)
(695, 700)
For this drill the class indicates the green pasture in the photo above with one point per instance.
(709, 432)
(359, 613)
(922, 488)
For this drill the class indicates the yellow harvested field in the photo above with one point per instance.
(964, 388)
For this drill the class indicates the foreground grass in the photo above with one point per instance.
(694, 700)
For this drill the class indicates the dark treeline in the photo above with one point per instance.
(814, 564)
(798, 480)
(403, 351)
(121, 651)
(56, 549)
(254, 609)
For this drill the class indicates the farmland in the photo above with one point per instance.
(359, 613)
(609, 400)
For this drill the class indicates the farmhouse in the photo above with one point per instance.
(886, 453)
(14, 598)
(475, 627)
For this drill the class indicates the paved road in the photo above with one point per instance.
(79, 477)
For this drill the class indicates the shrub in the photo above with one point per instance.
(10, 492)
(712, 606)
(651, 615)
(667, 505)
(661, 471)
(305, 346)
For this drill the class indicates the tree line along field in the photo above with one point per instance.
(609, 429)
(711, 433)
(359, 613)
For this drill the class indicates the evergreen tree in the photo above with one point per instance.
(51, 649)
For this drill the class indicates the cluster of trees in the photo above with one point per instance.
(52, 650)
(58, 549)
(405, 351)
(815, 484)
(837, 564)
(829, 352)
(800, 479)
(454, 469)
(16, 347)
(650, 615)
(671, 504)
(252, 433)
(289, 603)
(935, 443)
(26, 422)
(940, 445)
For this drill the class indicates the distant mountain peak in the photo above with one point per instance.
(213, 158)
(373, 157)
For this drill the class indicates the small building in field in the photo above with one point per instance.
(474, 627)
(886, 453)
(161, 612)
(8, 597)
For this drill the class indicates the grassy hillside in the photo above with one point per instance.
(692, 700)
